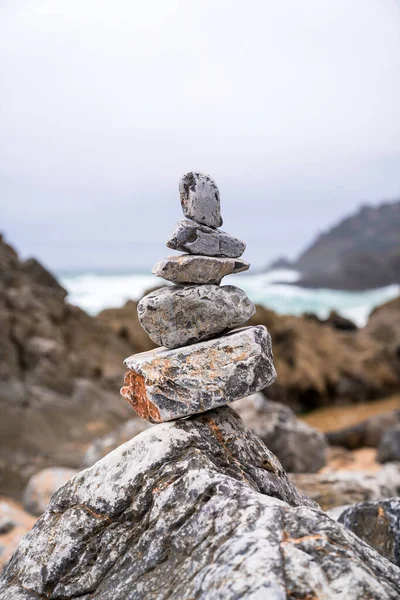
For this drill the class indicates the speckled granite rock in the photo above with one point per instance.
(189, 268)
(195, 238)
(200, 199)
(179, 315)
(199, 509)
(378, 524)
(165, 384)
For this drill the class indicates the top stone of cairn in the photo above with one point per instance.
(200, 199)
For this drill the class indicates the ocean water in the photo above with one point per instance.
(95, 291)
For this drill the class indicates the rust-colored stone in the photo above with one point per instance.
(134, 391)
(192, 379)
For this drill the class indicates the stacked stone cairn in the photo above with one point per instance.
(204, 362)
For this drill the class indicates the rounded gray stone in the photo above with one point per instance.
(195, 238)
(175, 316)
(189, 268)
(200, 199)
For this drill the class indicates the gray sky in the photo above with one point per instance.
(291, 105)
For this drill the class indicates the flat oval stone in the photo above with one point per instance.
(195, 238)
(175, 316)
(189, 268)
(163, 385)
(200, 199)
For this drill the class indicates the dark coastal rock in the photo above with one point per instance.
(348, 487)
(378, 524)
(282, 262)
(299, 447)
(334, 320)
(361, 252)
(337, 321)
(200, 199)
(389, 445)
(367, 433)
(178, 315)
(42, 485)
(198, 508)
(195, 238)
(162, 384)
(189, 268)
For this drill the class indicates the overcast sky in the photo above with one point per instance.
(293, 106)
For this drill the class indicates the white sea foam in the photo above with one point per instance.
(94, 292)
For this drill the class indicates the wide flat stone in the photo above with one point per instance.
(188, 268)
(195, 238)
(175, 316)
(163, 384)
(200, 199)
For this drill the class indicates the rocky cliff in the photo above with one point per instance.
(361, 252)
(59, 374)
(197, 508)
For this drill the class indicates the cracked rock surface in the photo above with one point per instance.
(194, 509)
(195, 238)
(189, 268)
(200, 199)
(162, 384)
(175, 316)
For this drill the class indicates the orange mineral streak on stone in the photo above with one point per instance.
(306, 538)
(134, 391)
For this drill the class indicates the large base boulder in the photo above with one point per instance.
(197, 508)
